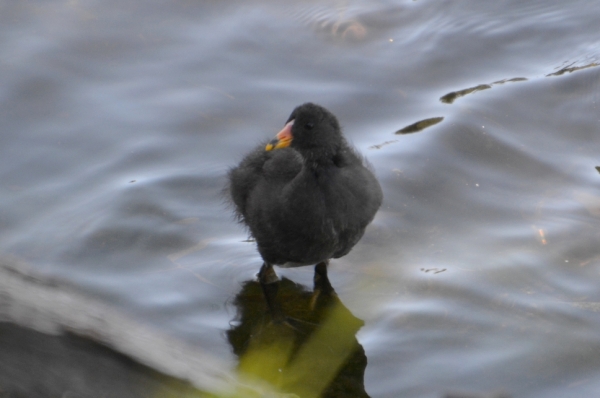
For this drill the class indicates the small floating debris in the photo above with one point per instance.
(514, 79)
(542, 236)
(420, 125)
(378, 146)
(433, 270)
(450, 97)
(570, 68)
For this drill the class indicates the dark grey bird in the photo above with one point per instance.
(306, 196)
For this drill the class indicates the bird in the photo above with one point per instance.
(305, 196)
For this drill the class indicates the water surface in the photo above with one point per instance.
(479, 273)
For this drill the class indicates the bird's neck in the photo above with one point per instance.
(320, 157)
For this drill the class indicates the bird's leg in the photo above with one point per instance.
(321, 281)
(322, 286)
(267, 274)
(269, 282)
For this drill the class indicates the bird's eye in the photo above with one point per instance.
(309, 125)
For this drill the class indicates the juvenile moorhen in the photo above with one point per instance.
(306, 196)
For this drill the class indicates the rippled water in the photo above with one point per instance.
(479, 273)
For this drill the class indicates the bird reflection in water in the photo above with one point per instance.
(316, 356)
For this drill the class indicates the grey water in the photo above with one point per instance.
(120, 119)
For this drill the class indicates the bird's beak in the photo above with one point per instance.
(283, 139)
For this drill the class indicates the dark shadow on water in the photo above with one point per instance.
(317, 355)
(56, 341)
(39, 365)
